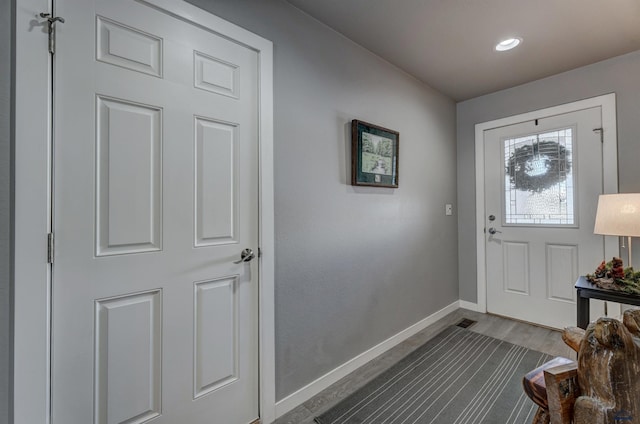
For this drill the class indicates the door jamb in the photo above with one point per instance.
(610, 164)
(31, 373)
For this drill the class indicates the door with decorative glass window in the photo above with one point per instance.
(542, 181)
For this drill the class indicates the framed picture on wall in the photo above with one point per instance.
(374, 155)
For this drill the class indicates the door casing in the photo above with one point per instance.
(32, 274)
(610, 164)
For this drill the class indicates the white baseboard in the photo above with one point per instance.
(307, 392)
(469, 305)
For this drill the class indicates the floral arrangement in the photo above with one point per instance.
(613, 276)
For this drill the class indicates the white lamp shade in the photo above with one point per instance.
(618, 215)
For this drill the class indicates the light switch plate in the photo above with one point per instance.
(448, 209)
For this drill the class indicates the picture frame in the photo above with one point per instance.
(374, 155)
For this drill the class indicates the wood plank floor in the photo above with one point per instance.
(530, 336)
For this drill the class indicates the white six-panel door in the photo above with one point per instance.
(155, 197)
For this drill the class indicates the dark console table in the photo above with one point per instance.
(587, 290)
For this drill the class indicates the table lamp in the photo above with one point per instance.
(619, 215)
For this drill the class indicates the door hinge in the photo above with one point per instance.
(259, 252)
(51, 21)
(601, 132)
(50, 248)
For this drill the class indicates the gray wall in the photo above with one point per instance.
(354, 266)
(619, 75)
(6, 14)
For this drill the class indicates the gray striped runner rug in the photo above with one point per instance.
(457, 377)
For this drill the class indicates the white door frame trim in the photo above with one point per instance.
(610, 161)
(31, 372)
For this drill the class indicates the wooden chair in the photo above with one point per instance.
(561, 373)
(602, 387)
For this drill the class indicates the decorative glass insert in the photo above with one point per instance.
(538, 179)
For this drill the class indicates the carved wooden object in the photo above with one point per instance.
(541, 417)
(562, 391)
(603, 387)
(535, 386)
(609, 372)
(572, 336)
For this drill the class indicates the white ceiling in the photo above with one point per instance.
(448, 44)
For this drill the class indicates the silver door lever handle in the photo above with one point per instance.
(246, 256)
(492, 231)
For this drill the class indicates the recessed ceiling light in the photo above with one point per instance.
(508, 44)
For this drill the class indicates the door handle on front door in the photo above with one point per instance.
(246, 256)
(492, 231)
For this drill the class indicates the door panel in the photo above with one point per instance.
(542, 181)
(562, 266)
(215, 344)
(156, 194)
(128, 47)
(128, 339)
(515, 262)
(128, 173)
(217, 172)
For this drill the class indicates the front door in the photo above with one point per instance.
(542, 181)
(154, 316)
